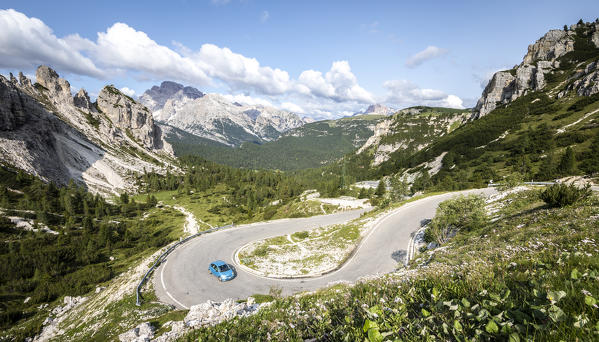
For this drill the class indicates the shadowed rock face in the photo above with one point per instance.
(47, 132)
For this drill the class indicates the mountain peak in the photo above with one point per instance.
(377, 109)
(156, 97)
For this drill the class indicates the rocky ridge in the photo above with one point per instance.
(543, 57)
(214, 117)
(408, 130)
(48, 132)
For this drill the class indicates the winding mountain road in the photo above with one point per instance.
(183, 280)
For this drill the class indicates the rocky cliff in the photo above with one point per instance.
(47, 131)
(548, 55)
(410, 130)
(214, 117)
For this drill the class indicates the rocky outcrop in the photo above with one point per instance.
(551, 46)
(210, 313)
(141, 333)
(49, 133)
(130, 116)
(586, 81)
(542, 57)
(58, 88)
(82, 100)
(409, 131)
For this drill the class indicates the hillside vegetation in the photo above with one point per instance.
(310, 146)
(523, 275)
(540, 135)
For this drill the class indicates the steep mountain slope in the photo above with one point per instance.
(540, 119)
(214, 117)
(411, 130)
(311, 145)
(47, 132)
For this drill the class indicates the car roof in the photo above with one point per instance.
(219, 263)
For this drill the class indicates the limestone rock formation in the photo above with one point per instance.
(551, 46)
(128, 115)
(57, 87)
(586, 83)
(82, 100)
(47, 132)
(542, 57)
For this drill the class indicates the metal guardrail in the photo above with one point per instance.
(528, 183)
(163, 256)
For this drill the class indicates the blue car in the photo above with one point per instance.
(221, 270)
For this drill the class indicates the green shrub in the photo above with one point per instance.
(511, 181)
(460, 213)
(561, 195)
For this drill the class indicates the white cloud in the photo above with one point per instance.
(248, 100)
(122, 47)
(338, 84)
(26, 43)
(220, 2)
(429, 53)
(127, 91)
(265, 16)
(403, 93)
(292, 107)
(240, 72)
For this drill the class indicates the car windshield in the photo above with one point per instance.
(223, 268)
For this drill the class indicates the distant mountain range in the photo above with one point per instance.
(308, 146)
(214, 117)
(377, 109)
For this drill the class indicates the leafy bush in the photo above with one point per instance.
(511, 181)
(561, 195)
(460, 213)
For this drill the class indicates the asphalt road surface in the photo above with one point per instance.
(184, 280)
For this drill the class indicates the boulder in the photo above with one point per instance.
(141, 333)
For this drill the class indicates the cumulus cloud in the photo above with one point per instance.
(248, 100)
(429, 53)
(338, 84)
(123, 47)
(26, 43)
(292, 107)
(127, 91)
(403, 93)
(240, 72)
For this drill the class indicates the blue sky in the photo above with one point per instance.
(318, 58)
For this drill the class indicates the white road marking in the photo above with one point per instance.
(164, 287)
